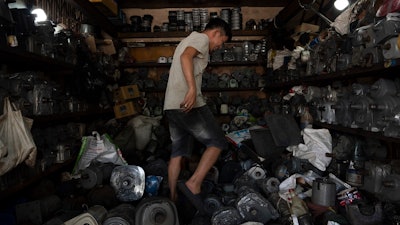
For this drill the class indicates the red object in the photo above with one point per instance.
(388, 6)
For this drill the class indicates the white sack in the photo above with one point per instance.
(317, 142)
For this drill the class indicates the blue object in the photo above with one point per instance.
(152, 185)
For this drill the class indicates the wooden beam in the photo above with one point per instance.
(156, 4)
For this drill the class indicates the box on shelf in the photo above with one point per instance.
(126, 92)
(126, 109)
(107, 7)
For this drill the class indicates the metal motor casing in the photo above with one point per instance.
(226, 215)
(156, 211)
(343, 115)
(382, 87)
(323, 192)
(95, 175)
(362, 114)
(383, 109)
(390, 49)
(128, 182)
(388, 27)
(252, 206)
(123, 214)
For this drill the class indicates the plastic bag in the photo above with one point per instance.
(16, 136)
(97, 148)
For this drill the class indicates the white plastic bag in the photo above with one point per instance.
(97, 148)
(317, 142)
(16, 136)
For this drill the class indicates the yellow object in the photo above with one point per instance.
(107, 7)
(126, 92)
(125, 109)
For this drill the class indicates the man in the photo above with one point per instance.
(187, 112)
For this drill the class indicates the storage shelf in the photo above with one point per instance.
(357, 131)
(377, 70)
(21, 59)
(204, 90)
(42, 120)
(155, 4)
(181, 34)
(155, 64)
(13, 189)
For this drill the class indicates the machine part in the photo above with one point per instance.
(373, 180)
(123, 214)
(323, 192)
(96, 174)
(390, 49)
(83, 219)
(128, 182)
(343, 61)
(383, 87)
(383, 109)
(256, 172)
(387, 28)
(103, 195)
(252, 206)
(344, 147)
(99, 212)
(229, 172)
(283, 208)
(29, 213)
(390, 186)
(156, 211)
(312, 92)
(211, 204)
(326, 112)
(364, 36)
(156, 167)
(343, 115)
(371, 56)
(358, 214)
(268, 185)
(362, 114)
(226, 215)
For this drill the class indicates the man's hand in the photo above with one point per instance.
(189, 101)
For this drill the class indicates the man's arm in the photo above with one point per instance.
(187, 67)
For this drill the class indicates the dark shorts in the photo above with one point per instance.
(198, 123)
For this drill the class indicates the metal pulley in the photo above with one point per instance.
(383, 87)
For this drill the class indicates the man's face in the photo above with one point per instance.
(217, 40)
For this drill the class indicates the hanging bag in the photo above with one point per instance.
(15, 134)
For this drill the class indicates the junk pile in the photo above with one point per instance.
(272, 174)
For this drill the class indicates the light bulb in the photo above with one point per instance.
(40, 15)
(341, 4)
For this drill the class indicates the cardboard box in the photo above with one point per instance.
(125, 109)
(107, 7)
(126, 92)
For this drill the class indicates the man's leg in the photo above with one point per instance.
(174, 169)
(207, 161)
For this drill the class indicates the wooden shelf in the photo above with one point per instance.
(20, 59)
(378, 70)
(204, 90)
(181, 34)
(155, 64)
(43, 120)
(357, 131)
(155, 4)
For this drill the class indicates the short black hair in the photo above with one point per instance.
(219, 24)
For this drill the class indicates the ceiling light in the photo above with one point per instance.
(341, 4)
(40, 15)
